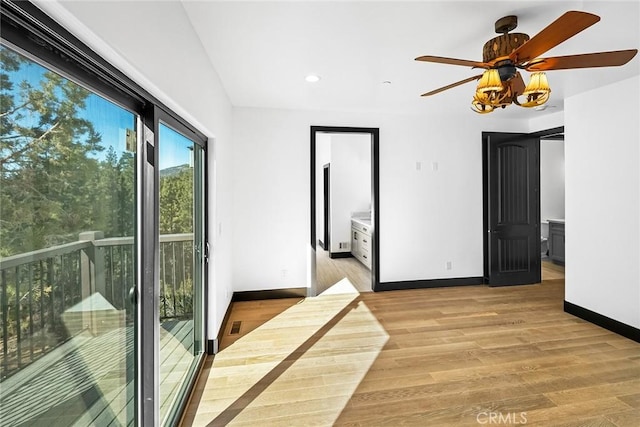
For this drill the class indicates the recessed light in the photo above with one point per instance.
(386, 82)
(312, 78)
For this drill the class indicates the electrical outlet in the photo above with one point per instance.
(449, 265)
(283, 273)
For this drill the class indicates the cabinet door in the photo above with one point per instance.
(355, 242)
(556, 242)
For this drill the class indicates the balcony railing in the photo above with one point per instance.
(44, 294)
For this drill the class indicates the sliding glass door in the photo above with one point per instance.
(181, 171)
(67, 251)
(102, 246)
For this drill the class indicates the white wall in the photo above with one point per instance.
(350, 184)
(546, 121)
(271, 200)
(603, 201)
(427, 217)
(551, 180)
(160, 60)
(551, 193)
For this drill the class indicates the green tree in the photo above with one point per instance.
(176, 202)
(114, 187)
(46, 171)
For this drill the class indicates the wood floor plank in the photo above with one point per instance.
(428, 357)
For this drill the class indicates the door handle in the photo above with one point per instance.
(133, 295)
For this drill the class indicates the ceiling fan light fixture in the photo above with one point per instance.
(480, 107)
(537, 91)
(489, 82)
(491, 92)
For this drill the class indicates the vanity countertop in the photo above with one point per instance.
(561, 221)
(363, 221)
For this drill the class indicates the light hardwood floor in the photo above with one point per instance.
(431, 357)
(330, 271)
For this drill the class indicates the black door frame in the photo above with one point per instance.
(549, 133)
(325, 243)
(375, 191)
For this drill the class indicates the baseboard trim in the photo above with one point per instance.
(608, 323)
(214, 345)
(269, 294)
(432, 283)
(334, 255)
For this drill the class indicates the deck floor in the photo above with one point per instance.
(85, 381)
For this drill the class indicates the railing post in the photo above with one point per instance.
(91, 274)
(5, 326)
(92, 266)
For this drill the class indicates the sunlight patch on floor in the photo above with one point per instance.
(344, 286)
(299, 368)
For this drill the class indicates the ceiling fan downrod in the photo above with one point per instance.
(505, 43)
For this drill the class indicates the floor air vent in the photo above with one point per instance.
(235, 328)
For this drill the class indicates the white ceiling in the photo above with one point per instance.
(263, 50)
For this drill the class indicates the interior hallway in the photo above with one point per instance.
(444, 356)
(331, 270)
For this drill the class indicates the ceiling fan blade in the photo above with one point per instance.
(587, 60)
(517, 84)
(452, 85)
(452, 61)
(563, 28)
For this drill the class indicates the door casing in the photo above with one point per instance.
(375, 192)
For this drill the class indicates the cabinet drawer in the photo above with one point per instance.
(365, 243)
(365, 258)
(361, 227)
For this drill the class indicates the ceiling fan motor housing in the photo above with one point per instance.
(502, 46)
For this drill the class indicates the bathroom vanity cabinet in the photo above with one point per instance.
(361, 241)
(556, 241)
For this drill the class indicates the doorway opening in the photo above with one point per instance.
(552, 206)
(333, 208)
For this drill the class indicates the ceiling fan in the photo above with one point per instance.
(501, 83)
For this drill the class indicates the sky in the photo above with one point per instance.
(112, 121)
